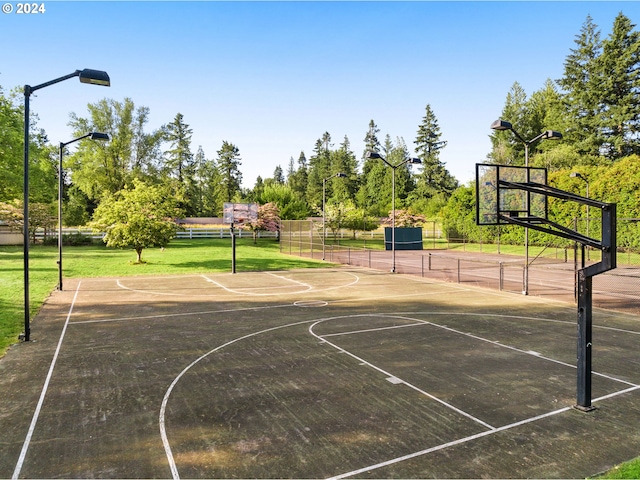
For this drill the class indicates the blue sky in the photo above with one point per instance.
(272, 77)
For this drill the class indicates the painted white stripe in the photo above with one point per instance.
(163, 408)
(183, 314)
(470, 438)
(36, 414)
(447, 445)
(388, 374)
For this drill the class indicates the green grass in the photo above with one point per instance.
(181, 256)
(629, 469)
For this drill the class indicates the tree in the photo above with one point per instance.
(371, 144)
(99, 168)
(278, 175)
(290, 205)
(229, 165)
(507, 150)
(619, 68)
(209, 182)
(404, 219)
(179, 159)
(434, 177)
(139, 217)
(41, 216)
(319, 169)
(11, 149)
(179, 166)
(299, 179)
(268, 220)
(581, 84)
(356, 219)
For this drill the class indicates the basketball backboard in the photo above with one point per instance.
(498, 195)
(239, 213)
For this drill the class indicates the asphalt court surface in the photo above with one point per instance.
(319, 373)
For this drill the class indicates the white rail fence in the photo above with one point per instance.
(187, 233)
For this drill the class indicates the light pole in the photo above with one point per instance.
(324, 190)
(584, 179)
(393, 199)
(95, 77)
(546, 135)
(92, 136)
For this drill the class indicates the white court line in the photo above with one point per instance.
(388, 374)
(245, 292)
(447, 445)
(183, 314)
(163, 432)
(469, 438)
(36, 414)
(493, 342)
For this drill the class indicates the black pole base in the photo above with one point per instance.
(584, 409)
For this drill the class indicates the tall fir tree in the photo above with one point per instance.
(298, 180)
(582, 91)
(229, 162)
(619, 66)
(434, 177)
(179, 159)
(179, 165)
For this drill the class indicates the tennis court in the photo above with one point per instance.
(324, 373)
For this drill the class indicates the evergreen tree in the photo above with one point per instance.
(581, 83)
(507, 150)
(319, 169)
(179, 159)
(299, 179)
(179, 165)
(619, 67)
(371, 144)
(434, 177)
(291, 168)
(278, 175)
(229, 165)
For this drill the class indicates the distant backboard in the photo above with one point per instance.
(497, 194)
(239, 213)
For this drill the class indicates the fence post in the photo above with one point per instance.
(369, 258)
(422, 265)
(429, 261)
(501, 281)
(458, 270)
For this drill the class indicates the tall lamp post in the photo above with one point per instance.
(393, 199)
(95, 77)
(324, 190)
(546, 135)
(92, 136)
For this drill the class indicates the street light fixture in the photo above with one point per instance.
(409, 160)
(501, 125)
(92, 136)
(95, 77)
(324, 185)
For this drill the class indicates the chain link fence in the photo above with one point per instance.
(551, 274)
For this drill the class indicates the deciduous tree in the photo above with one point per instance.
(138, 217)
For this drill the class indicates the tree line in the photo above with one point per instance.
(596, 106)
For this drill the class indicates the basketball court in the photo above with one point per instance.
(323, 373)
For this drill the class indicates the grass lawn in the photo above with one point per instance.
(625, 470)
(181, 256)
